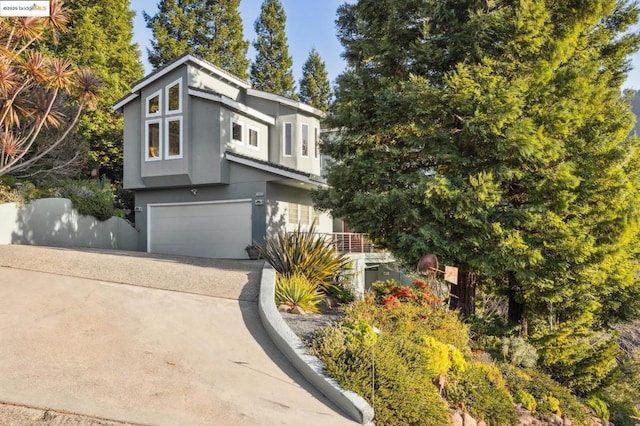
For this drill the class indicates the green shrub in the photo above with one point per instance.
(527, 400)
(599, 406)
(10, 195)
(90, 197)
(404, 393)
(551, 404)
(518, 352)
(307, 253)
(296, 290)
(481, 390)
(541, 385)
(622, 394)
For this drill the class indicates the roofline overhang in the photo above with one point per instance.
(300, 177)
(286, 101)
(233, 105)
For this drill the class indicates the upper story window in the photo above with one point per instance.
(153, 148)
(288, 139)
(173, 138)
(174, 97)
(236, 131)
(154, 101)
(305, 140)
(316, 142)
(164, 142)
(253, 138)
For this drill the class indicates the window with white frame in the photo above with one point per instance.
(236, 131)
(316, 142)
(173, 138)
(304, 141)
(253, 137)
(153, 104)
(152, 133)
(174, 97)
(288, 139)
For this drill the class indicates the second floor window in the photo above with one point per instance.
(316, 142)
(253, 138)
(288, 139)
(305, 140)
(152, 140)
(236, 132)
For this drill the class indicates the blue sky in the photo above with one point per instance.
(310, 23)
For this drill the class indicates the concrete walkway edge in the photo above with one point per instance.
(308, 365)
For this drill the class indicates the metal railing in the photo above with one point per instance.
(349, 242)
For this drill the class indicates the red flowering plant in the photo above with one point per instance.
(391, 293)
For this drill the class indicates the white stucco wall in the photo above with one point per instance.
(54, 222)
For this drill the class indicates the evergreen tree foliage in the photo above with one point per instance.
(100, 37)
(271, 70)
(315, 89)
(209, 29)
(495, 135)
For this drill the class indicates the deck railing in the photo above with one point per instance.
(349, 242)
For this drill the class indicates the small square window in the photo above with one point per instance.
(305, 140)
(253, 138)
(236, 132)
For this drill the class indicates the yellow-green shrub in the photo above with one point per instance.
(599, 406)
(527, 400)
(296, 290)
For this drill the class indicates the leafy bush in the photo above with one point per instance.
(519, 352)
(310, 254)
(526, 400)
(296, 290)
(577, 356)
(10, 195)
(482, 391)
(403, 390)
(90, 197)
(599, 406)
(542, 387)
(622, 394)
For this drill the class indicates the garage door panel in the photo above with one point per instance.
(219, 230)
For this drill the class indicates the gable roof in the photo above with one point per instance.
(276, 169)
(217, 72)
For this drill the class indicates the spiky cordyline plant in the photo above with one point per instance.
(36, 90)
(297, 290)
(307, 253)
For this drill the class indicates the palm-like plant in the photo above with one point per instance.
(297, 290)
(37, 92)
(309, 254)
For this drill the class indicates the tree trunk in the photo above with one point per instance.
(516, 308)
(465, 294)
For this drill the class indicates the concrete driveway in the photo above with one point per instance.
(144, 339)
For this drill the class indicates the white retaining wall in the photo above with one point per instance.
(54, 222)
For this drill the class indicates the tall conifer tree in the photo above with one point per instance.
(271, 70)
(315, 89)
(210, 29)
(496, 137)
(99, 37)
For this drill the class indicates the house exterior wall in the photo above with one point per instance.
(202, 80)
(227, 118)
(206, 156)
(132, 146)
(170, 171)
(279, 199)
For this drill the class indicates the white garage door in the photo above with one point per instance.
(216, 230)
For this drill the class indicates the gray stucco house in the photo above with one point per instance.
(215, 164)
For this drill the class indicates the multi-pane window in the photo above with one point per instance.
(288, 139)
(292, 216)
(236, 131)
(305, 140)
(253, 138)
(164, 143)
(304, 214)
(152, 140)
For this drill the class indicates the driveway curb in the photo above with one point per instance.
(308, 365)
